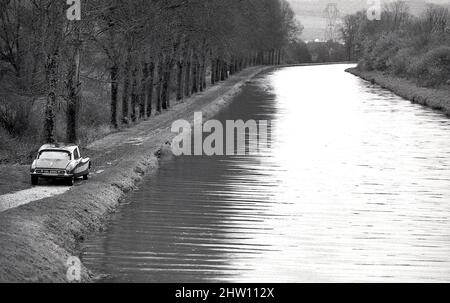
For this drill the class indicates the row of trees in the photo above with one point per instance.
(145, 52)
(400, 43)
(315, 52)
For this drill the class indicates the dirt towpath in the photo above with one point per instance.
(38, 236)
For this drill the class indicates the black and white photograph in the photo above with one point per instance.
(225, 142)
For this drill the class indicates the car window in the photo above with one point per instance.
(54, 155)
(76, 154)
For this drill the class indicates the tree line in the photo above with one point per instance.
(402, 44)
(145, 53)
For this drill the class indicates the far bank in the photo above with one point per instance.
(435, 98)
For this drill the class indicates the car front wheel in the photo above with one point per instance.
(70, 181)
(34, 180)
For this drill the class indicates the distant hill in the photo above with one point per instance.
(310, 12)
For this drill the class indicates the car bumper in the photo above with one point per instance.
(51, 175)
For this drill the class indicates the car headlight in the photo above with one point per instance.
(33, 166)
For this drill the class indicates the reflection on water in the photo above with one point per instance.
(355, 187)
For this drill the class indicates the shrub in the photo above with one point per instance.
(14, 115)
(89, 134)
(432, 68)
(366, 62)
(20, 150)
(400, 61)
(93, 108)
(385, 48)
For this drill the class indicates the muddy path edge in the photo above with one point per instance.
(435, 98)
(38, 239)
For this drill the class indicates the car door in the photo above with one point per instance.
(82, 166)
(78, 167)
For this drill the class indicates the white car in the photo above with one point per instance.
(56, 161)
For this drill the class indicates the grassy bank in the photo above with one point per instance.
(38, 238)
(436, 98)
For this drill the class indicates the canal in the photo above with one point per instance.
(355, 187)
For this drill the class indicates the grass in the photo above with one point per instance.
(437, 98)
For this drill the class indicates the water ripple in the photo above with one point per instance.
(355, 187)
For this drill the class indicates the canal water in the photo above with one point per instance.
(355, 187)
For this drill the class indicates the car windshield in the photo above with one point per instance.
(54, 155)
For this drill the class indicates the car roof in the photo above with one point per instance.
(58, 146)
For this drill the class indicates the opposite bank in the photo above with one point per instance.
(436, 98)
(37, 239)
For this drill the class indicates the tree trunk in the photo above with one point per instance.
(223, 72)
(134, 95)
(194, 74)
(126, 88)
(187, 75)
(218, 69)
(227, 69)
(213, 71)
(114, 69)
(200, 72)
(159, 85)
(203, 73)
(167, 82)
(183, 69)
(114, 73)
(200, 75)
(180, 65)
(73, 87)
(51, 67)
(144, 91)
(232, 66)
(150, 80)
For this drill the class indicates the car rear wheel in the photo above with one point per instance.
(34, 180)
(70, 181)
